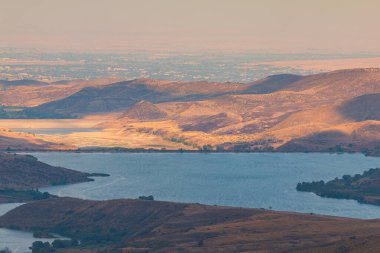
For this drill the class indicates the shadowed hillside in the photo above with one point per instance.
(154, 226)
(11, 140)
(144, 110)
(26, 172)
(27, 93)
(362, 108)
(122, 95)
(21, 82)
(272, 83)
(329, 112)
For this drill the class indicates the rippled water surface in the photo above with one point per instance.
(263, 180)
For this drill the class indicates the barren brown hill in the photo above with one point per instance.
(154, 226)
(272, 83)
(368, 244)
(25, 172)
(33, 93)
(356, 137)
(5, 83)
(323, 112)
(340, 83)
(362, 108)
(144, 111)
(314, 110)
(10, 140)
(122, 95)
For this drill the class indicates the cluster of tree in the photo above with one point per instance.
(338, 149)
(364, 188)
(177, 140)
(347, 181)
(150, 197)
(310, 187)
(43, 234)
(97, 235)
(263, 145)
(46, 247)
(5, 250)
(25, 195)
(207, 148)
(372, 151)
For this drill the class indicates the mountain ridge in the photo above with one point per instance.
(286, 113)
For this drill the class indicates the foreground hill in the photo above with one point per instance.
(25, 172)
(153, 226)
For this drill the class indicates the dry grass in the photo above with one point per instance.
(172, 227)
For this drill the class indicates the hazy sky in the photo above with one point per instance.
(261, 25)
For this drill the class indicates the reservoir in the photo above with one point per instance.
(258, 180)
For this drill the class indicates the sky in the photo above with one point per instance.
(277, 26)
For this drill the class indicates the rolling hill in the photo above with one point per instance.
(28, 93)
(24, 172)
(334, 111)
(144, 110)
(155, 226)
(365, 107)
(22, 82)
(122, 95)
(11, 140)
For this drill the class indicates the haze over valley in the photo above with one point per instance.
(189, 126)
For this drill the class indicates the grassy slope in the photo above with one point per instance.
(172, 227)
(291, 113)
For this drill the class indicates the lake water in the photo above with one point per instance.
(263, 180)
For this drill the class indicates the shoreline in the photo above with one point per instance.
(174, 151)
(214, 224)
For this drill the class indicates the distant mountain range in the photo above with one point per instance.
(335, 111)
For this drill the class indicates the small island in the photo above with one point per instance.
(364, 188)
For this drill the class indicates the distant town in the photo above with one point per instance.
(16, 64)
